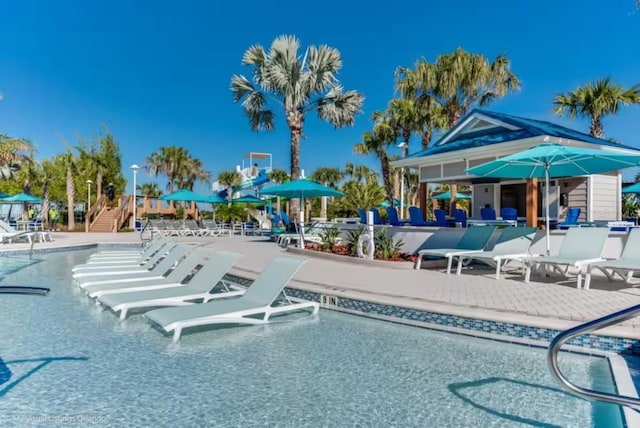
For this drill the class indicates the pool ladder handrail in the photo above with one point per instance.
(560, 339)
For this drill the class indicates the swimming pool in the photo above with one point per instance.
(66, 361)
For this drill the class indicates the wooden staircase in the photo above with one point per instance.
(104, 221)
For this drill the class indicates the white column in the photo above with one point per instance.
(135, 169)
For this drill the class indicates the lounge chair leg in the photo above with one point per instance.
(176, 334)
(527, 273)
(123, 314)
(418, 262)
(579, 285)
(587, 278)
(498, 267)
(459, 267)
(449, 262)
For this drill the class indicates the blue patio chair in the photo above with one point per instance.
(376, 216)
(363, 215)
(415, 218)
(571, 219)
(487, 214)
(275, 221)
(460, 216)
(286, 220)
(441, 218)
(508, 213)
(392, 214)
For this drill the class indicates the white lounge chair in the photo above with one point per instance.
(257, 300)
(118, 263)
(9, 234)
(176, 277)
(624, 266)
(157, 271)
(86, 271)
(512, 244)
(581, 246)
(199, 287)
(474, 240)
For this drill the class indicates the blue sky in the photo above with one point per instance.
(158, 72)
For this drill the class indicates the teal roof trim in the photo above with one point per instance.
(528, 128)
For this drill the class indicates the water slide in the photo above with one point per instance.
(248, 182)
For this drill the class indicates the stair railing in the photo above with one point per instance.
(122, 213)
(94, 212)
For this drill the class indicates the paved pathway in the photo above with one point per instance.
(476, 294)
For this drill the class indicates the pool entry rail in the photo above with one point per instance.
(560, 339)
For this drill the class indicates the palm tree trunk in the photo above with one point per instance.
(296, 133)
(423, 192)
(386, 179)
(396, 183)
(99, 184)
(71, 221)
(323, 207)
(595, 128)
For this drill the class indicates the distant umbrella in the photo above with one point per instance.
(634, 188)
(447, 195)
(185, 195)
(23, 197)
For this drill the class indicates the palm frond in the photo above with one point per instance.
(340, 108)
(255, 55)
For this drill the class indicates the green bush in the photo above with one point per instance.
(386, 247)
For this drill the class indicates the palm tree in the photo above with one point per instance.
(230, 179)
(300, 85)
(14, 152)
(595, 101)
(278, 176)
(172, 161)
(456, 82)
(329, 176)
(193, 172)
(150, 190)
(376, 143)
(359, 173)
(68, 161)
(362, 195)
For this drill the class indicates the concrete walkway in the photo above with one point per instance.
(549, 304)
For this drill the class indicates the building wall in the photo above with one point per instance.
(605, 197)
(576, 190)
(481, 198)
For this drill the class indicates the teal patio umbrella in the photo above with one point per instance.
(447, 195)
(301, 189)
(23, 197)
(634, 188)
(185, 195)
(554, 160)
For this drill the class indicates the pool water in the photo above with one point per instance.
(64, 361)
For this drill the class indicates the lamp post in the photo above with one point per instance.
(405, 149)
(86, 216)
(135, 169)
(89, 183)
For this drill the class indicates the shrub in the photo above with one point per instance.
(386, 247)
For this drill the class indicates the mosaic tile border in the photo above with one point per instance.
(496, 330)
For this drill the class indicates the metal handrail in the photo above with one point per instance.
(559, 340)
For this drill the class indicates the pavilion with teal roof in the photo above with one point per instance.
(484, 136)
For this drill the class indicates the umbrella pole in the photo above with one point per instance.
(546, 219)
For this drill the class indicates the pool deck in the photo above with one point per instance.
(551, 304)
